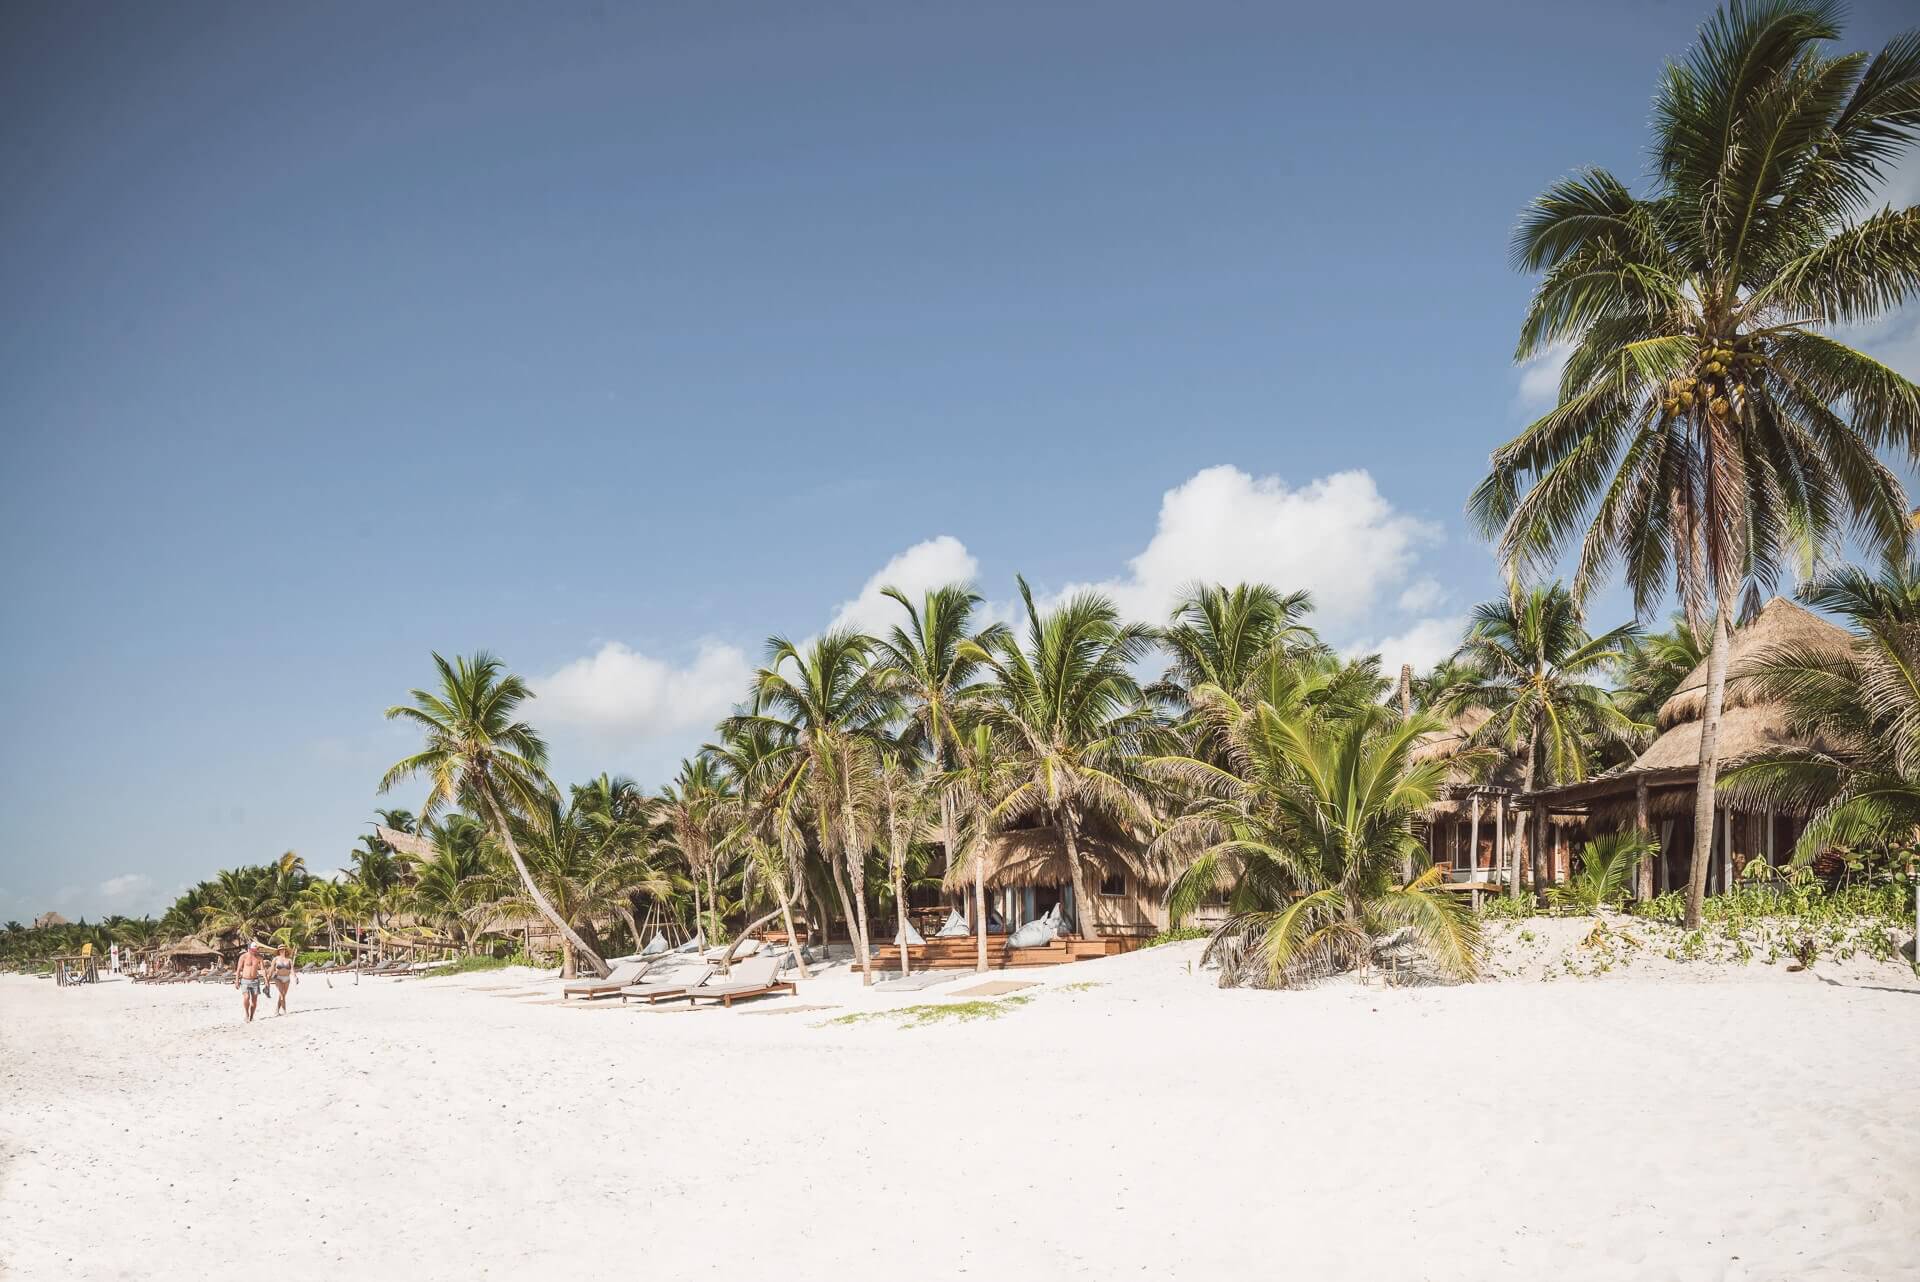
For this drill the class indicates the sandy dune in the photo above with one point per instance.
(1760, 1125)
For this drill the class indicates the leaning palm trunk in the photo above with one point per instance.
(793, 939)
(540, 901)
(1708, 778)
(900, 912)
(846, 904)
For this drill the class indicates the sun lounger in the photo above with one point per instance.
(668, 987)
(628, 972)
(753, 978)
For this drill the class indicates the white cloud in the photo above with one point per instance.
(128, 890)
(934, 563)
(1422, 594)
(1337, 536)
(1424, 644)
(618, 692)
(1539, 386)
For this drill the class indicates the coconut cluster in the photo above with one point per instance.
(1718, 379)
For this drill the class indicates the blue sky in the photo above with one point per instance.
(613, 338)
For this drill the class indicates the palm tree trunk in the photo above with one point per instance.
(980, 905)
(540, 901)
(786, 915)
(1082, 906)
(1709, 776)
(900, 911)
(857, 877)
(846, 904)
(1535, 840)
(633, 927)
(713, 901)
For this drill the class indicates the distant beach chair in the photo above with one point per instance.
(755, 978)
(746, 949)
(627, 972)
(668, 987)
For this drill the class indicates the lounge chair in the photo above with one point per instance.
(627, 972)
(747, 948)
(668, 987)
(754, 978)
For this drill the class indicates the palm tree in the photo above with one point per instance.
(905, 795)
(1223, 636)
(332, 907)
(930, 668)
(398, 820)
(826, 709)
(979, 781)
(1533, 665)
(1708, 430)
(1652, 666)
(445, 886)
(583, 869)
(692, 814)
(1306, 829)
(1069, 709)
(478, 755)
(245, 902)
(774, 845)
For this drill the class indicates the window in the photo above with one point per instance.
(1113, 885)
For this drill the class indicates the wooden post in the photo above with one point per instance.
(1772, 822)
(1727, 851)
(1473, 841)
(1540, 847)
(1499, 837)
(1643, 880)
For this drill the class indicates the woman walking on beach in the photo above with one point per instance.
(282, 977)
(247, 978)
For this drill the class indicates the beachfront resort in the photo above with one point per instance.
(997, 928)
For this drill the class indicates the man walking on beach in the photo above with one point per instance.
(247, 978)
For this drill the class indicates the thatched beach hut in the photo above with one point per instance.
(1657, 789)
(1027, 875)
(190, 954)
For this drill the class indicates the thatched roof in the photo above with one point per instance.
(405, 842)
(1038, 857)
(191, 947)
(1779, 623)
(1438, 744)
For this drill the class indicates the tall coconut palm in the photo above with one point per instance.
(1066, 704)
(445, 885)
(826, 708)
(929, 667)
(1709, 429)
(1534, 666)
(1221, 636)
(1306, 828)
(479, 755)
(245, 903)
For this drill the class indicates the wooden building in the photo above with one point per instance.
(1656, 790)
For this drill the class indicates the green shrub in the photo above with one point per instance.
(313, 957)
(1176, 935)
(1507, 907)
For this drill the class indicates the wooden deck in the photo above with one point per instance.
(962, 954)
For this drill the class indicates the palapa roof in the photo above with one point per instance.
(1750, 726)
(405, 842)
(191, 947)
(1038, 857)
(1779, 623)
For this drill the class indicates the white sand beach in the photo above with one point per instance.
(1658, 1122)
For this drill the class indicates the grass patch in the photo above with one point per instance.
(1179, 934)
(468, 965)
(939, 1012)
(1080, 987)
